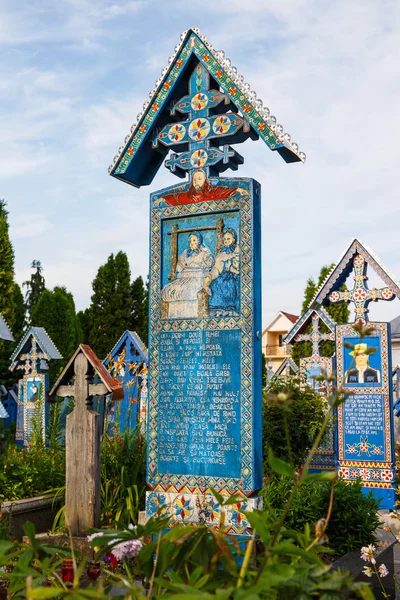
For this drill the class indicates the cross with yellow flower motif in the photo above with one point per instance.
(360, 295)
(205, 120)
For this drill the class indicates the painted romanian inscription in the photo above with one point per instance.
(199, 403)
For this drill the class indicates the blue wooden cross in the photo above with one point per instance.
(316, 337)
(200, 139)
(360, 295)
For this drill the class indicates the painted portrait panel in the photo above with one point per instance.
(362, 362)
(201, 266)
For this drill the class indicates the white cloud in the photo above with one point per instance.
(28, 225)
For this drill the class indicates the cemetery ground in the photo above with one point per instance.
(309, 520)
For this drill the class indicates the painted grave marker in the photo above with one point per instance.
(32, 354)
(204, 419)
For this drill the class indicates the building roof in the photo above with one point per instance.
(289, 316)
(5, 332)
(292, 318)
(395, 328)
(138, 160)
(43, 341)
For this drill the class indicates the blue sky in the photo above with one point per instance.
(74, 74)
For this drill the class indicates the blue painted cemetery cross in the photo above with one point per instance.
(365, 433)
(360, 295)
(316, 337)
(204, 418)
(31, 356)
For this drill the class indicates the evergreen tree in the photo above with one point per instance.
(19, 323)
(309, 294)
(111, 310)
(35, 286)
(6, 267)
(55, 311)
(7, 295)
(140, 305)
(83, 317)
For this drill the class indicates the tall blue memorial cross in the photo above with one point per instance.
(204, 417)
(365, 434)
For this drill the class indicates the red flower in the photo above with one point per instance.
(155, 106)
(232, 91)
(130, 151)
(167, 85)
(142, 128)
(218, 73)
(206, 57)
(261, 126)
(179, 62)
(246, 108)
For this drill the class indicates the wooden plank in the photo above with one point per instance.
(82, 457)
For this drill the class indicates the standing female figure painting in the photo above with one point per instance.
(223, 282)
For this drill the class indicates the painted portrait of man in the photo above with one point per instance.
(361, 372)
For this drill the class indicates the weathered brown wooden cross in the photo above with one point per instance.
(82, 440)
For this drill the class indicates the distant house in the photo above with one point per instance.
(395, 339)
(273, 348)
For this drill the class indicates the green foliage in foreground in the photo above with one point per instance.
(354, 516)
(187, 562)
(302, 416)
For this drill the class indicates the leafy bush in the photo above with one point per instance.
(353, 520)
(123, 477)
(27, 472)
(303, 416)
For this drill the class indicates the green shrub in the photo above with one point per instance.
(304, 416)
(354, 515)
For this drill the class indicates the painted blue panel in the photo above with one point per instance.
(205, 279)
(365, 419)
(194, 436)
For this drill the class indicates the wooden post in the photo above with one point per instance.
(82, 510)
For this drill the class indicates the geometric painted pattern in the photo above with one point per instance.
(203, 509)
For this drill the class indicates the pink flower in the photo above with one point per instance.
(129, 549)
(368, 571)
(367, 554)
(383, 571)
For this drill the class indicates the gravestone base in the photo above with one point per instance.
(202, 509)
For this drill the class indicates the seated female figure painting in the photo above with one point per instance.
(204, 284)
(180, 296)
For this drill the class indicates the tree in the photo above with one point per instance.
(35, 286)
(140, 304)
(55, 311)
(83, 320)
(338, 311)
(110, 312)
(8, 297)
(304, 415)
(19, 312)
(6, 267)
